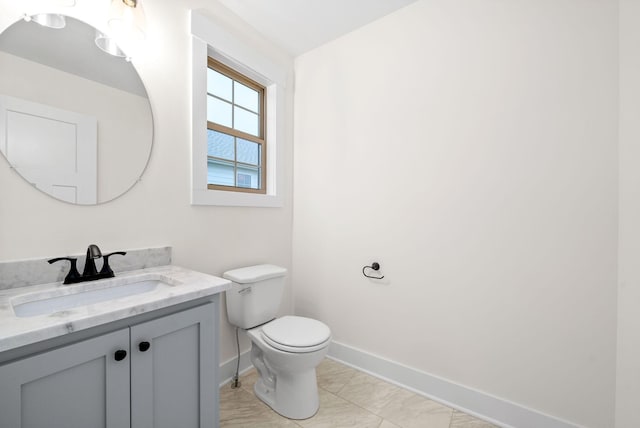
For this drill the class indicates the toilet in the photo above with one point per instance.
(286, 350)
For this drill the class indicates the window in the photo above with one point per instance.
(274, 74)
(236, 144)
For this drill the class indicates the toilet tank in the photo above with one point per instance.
(255, 294)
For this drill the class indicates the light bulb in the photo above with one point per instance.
(127, 19)
(50, 20)
(108, 45)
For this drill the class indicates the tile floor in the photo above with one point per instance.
(348, 398)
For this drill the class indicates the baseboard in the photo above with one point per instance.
(228, 368)
(476, 403)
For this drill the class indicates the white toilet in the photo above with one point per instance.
(285, 351)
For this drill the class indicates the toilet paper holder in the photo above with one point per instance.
(374, 266)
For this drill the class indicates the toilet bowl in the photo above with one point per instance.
(286, 350)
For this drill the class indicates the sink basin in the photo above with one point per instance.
(69, 297)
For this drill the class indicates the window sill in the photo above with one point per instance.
(235, 199)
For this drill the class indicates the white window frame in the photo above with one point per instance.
(210, 39)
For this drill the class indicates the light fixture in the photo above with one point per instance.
(127, 19)
(108, 45)
(55, 3)
(50, 20)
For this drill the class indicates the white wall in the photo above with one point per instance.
(628, 368)
(471, 149)
(157, 210)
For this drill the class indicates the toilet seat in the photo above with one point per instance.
(296, 334)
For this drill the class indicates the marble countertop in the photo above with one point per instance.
(184, 285)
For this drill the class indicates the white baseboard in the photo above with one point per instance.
(496, 410)
(228, 368)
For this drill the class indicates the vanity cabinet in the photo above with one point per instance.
(76, 386)
(173, 382)
(158, 373)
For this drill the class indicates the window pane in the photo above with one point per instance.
(245, 121)
(220, 145)
(248, 152)
(219, 85)
(220, 172)
(245, 96)
(248, 177)
(218, 111)
(235, 103)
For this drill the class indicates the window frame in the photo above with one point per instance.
(235, 75)
(211, 37)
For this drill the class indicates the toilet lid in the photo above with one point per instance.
(296, 334)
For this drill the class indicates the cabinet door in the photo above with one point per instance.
(76, 386)
(173, 381)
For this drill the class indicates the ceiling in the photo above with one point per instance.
(299, 26)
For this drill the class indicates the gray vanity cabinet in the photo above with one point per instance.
(165, 380)
(173, 382)
(76, 386)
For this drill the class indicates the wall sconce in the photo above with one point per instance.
(127, 20)
(41, 4)
(108, 45)
(50, 20)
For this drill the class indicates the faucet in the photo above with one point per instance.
(93, 253)
(90, 271)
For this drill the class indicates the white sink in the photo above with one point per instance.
(69, 297)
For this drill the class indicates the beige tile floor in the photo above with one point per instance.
(348, 398)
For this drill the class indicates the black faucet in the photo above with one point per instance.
(93, 253)
(90, 272)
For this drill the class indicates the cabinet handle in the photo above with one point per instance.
(144, 346)
(120, 355)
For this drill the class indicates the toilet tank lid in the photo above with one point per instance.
(256, 273)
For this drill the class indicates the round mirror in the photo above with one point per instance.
(75, 120)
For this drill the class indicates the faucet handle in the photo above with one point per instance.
(106, 270)
(73, 274)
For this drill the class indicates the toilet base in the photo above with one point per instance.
(287, 380)
(294, 397)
